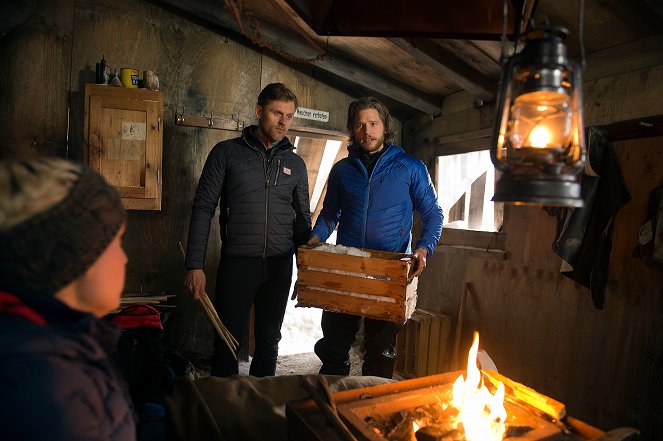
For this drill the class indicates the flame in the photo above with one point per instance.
(540, 137)
(482, 413)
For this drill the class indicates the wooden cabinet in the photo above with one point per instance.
(123, 141)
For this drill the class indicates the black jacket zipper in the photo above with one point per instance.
(278, 171)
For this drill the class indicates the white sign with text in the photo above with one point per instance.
(316, 115)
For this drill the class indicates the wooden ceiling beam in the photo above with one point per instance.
(336, 64)
(449, 65)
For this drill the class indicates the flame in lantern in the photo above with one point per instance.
(482, 413)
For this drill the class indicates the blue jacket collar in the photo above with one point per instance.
(389, 150)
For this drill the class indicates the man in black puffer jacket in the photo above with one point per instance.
(261, 187)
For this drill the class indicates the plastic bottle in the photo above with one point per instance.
(101, 71)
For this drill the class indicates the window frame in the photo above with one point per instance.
(491, 244)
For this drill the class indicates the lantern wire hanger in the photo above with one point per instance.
(538, 142)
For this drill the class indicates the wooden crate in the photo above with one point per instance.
(422, 345)
(376, 286)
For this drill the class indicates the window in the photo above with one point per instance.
(332, 148)
(320, 152)
(465, 184)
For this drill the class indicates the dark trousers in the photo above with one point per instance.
(265, 283)
(339, 331)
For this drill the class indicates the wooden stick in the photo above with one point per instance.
(208, 305)
(322, 384)
(459, 327)
(223, 332)
(325, 402)
(529, 396)
(144, 299)
(229, 336)
(220, 328)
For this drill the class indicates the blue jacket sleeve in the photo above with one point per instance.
(425, 203)
(331, 209)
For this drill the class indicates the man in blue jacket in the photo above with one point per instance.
(371, 196)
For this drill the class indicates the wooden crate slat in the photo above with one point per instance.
(433, 345)
(366, 265)
(422, 344)
(410, 347)
(399, 366)
(422, 347)
(443, 348)
(435, 351)
(349, 304)
(374, 265)
(342, 282)
(411, 297)
(375, 254)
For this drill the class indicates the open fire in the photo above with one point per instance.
(480, 415)
(474, 407)
(465, 410)
(483, 414)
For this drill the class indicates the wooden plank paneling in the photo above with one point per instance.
(633, 56)
(374, 51)
(451, 65)
(35, 60)
(612, 22)
(641, 161)
(627, 96)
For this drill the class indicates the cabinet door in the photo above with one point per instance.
(125, 143)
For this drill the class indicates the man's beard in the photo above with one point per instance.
(372, 141)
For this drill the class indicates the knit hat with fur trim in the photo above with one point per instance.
(53, 248)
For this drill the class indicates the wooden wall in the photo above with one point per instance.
(47, 61)
(34, 86)
(539, 327)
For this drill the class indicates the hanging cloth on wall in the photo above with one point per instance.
(584, 241)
